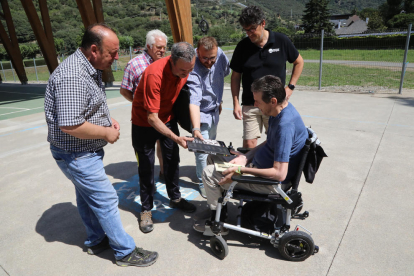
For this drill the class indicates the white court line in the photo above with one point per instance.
(20, 111)
(13, 107)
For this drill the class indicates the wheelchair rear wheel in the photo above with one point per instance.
(219, 247)
(296, 246)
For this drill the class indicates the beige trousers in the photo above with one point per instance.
(214, 191)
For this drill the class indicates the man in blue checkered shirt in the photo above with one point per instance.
(206, 83)
(79, 126)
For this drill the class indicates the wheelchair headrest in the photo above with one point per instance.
(313, 138)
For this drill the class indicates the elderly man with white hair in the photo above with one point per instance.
(155, 46)
(156, 42)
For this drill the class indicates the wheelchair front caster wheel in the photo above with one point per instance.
(219, 247)
(296, 246)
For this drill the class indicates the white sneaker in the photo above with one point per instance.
(202, 190)
(204, 227)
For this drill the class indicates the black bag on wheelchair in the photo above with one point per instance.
(261, 216)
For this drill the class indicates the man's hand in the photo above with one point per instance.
(241, 159)
(237, 112)
(220, 108)
(115, 124)
(288, 92)
(182, 141)
(112, 134)
(227, 175)
(197, 134)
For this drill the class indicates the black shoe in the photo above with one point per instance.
(138, 257)
(183, 205)
(161, 177)
(98, 248)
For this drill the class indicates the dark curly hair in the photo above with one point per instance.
(251, 15)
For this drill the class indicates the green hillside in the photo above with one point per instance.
(134, 18)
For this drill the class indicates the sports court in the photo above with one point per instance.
(360, 205)
(20, 100)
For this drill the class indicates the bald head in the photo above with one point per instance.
(95, 34)
(100, 45)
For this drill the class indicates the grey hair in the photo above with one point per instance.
(271, 87)
(152, 35)
(182, 50)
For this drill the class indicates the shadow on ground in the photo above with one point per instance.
(128, 192)
(20, 93)
(128, 189)
(403, 101)
(180, 222)
(62, 223)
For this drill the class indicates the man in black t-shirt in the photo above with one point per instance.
(262, 53)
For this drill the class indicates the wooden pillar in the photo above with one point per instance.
(11, 45)
(91, 15)
(86, 12)
(179, 12)
(45, 41)
(46, 23)
(97, 6)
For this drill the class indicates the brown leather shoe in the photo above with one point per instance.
(145, 223)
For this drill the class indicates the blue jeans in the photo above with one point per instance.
(96, 199)
(201, 158)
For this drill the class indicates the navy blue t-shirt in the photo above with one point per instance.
(286, 137)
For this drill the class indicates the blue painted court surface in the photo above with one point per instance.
(129, 199)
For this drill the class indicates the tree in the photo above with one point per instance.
(409, 6)
(221, 34)
(316, 17)
(284, 30)
(125, 42)
(59, 44)
(401, 20)
(390, 8)
(375, 21)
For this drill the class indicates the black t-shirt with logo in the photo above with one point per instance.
(254, 62)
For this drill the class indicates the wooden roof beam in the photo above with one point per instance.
(11, 44)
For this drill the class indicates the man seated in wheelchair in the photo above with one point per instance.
(277, 158)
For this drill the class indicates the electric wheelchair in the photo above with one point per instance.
(293, 244)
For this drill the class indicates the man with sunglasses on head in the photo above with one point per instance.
(206, 83)
(261, 53)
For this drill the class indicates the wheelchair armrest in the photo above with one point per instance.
(244, 150)
(254, 180)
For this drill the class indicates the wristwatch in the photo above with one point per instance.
(194, 129)
(291, 86)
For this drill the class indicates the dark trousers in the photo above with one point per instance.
(143, 141)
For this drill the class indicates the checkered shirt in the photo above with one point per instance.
(75, 94)
(133, 71)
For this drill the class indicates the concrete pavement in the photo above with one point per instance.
(361, 203)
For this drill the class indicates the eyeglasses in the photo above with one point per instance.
(160, 48)
(252, 29)
(208, 58)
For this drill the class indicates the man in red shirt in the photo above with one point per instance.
(152, 120)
